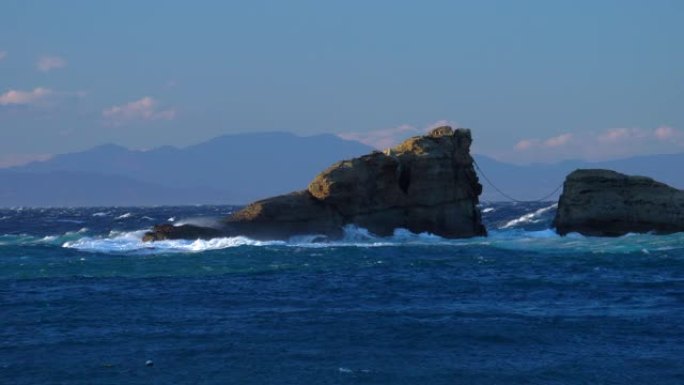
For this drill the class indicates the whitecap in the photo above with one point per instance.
(533, 217)
(543, 241)
(49, 238)
(100, 214)
(132, 242)
(124, 216)
(69, 221)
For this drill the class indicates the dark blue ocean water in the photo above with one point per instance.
(82, 301)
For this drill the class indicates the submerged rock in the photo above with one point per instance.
(426, 184)
(607, 203)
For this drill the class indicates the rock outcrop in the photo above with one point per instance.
(607, 203)
(426, 184)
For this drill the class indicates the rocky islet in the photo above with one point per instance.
(599, 202)
(425, 184)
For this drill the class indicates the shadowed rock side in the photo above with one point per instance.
(426, 184)
(607, 203)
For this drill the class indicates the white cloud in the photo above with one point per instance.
(619, 135)
(3, 55)
(526, 144)
(16, 97)
(606, 144)
(12, 160)
(556, 141)
(616, 135)
(667, 133)
(142, 109)
(388, 137)
(48, 63)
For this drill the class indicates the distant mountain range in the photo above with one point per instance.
(236, 169)
(230, 169)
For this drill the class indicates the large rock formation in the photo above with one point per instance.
(607, 203)
(426, 184)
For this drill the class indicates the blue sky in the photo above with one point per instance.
(535, 80)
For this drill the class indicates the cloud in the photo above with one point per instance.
(667, 133)
(601, 145)
(142, 109)
(16, 97)
(526, 144)
(13, 160)
(621, 135)
(3, 55)
(388, 137)
(48, 63)
(556, 141)
(616, 135)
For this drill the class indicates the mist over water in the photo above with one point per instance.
(83, 300)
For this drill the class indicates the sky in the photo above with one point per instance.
(536, 81)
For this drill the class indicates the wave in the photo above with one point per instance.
(543, 241)
(132, 242)
(26, 239)
(211, 222)
(520, 229)
(533, 217)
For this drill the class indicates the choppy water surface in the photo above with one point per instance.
(83, 301)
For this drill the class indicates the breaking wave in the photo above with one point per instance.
(516, 227)
(26, 239)
(533, 217)
(131, 241)
(124, 216)
(543, 241)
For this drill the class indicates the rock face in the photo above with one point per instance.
(426, 184)
(607, 203)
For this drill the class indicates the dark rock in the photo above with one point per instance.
(284, 216)
(426, 184)
(607, 203)
(167, 231)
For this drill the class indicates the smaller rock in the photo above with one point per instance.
(607, 203)
(168, 231)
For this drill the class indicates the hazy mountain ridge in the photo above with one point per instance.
(230, 169)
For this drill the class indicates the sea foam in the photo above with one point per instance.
(542, 242)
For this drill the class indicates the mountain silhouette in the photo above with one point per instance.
(230, 169)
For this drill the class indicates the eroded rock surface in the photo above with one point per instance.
(607, 203)
(426, 184)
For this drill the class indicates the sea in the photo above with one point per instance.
(84, 301)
